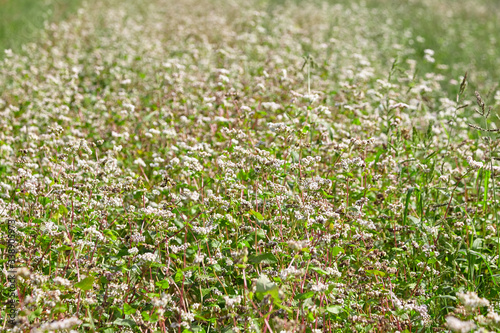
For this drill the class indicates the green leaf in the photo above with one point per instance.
(35, 314)
(59, 308)
(190, 268)
(63, 248)
(286, 308)
(145, 315)
(242, 175)
(178, 276)
(125, 322)
(328, 196)
(128, 310)
(266, 258)
(477, 244)
(336, 250)
(85, 284)
(154, 317)
(375, 272)
(44, 201)
(111, 234)
(257, 215)
(62, 210)
(243, 243)
(103, 280)
(335, 309)
(259, 233)
(264, 287)
(319, 270)
(206, 291)
(163, 284)
(197, 328)
(306, 295)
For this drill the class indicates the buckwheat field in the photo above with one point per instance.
(253, 166)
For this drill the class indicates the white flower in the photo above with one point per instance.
(63, 324)
(474, 164)
(137, 237)
(50, 228)
(429, 58)
(5, 150)
(133, 251)
(187, 316)
(471, 301)
(398, 105)
(147, 257)
(198, 258)
(311, 98)
(313, 186)
(456, 325)
(271, 106)
(231, 302)
(140, 162)
(62, 281)
(129, 106)
(246, 109)
(223, 78)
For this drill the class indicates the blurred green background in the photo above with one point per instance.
(465, 34)
(21, 20)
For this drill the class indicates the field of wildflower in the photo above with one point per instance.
(270, 166)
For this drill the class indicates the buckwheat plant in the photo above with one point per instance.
(176, 166)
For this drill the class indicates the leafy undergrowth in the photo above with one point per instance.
(240, 167)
